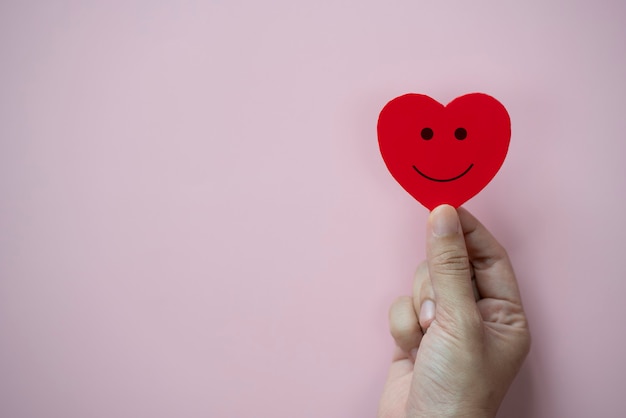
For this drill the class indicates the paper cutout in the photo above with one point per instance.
(443, 154)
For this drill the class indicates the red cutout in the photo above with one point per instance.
(444, 154)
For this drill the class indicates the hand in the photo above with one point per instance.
(459, 346)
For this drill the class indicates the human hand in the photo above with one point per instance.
(459, 346)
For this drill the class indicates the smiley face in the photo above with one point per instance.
(444, 154)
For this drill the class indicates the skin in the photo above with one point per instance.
(462, 336)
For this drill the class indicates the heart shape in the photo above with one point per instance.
(443, 154)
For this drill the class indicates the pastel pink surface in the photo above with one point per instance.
(195, 220)
(443, 154)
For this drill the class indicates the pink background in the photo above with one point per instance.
(195, 220)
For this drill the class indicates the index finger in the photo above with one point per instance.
(493, 270)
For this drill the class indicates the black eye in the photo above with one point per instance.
(460, 134)
(427, 133)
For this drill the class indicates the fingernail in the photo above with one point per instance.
(427, 312)
(444, 221)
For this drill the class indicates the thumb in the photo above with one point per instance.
(449, 267)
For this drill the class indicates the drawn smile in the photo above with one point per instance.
(444, 180)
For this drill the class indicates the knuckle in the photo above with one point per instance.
(402, 319)
(398, 304)
(402, 330)
(450, 260)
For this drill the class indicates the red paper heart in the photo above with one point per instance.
(444, 154)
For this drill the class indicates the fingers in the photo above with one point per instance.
(423, 296)
(407, 327)
(493, 271)
(458, 248)
(449, 266)
(404, 325)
